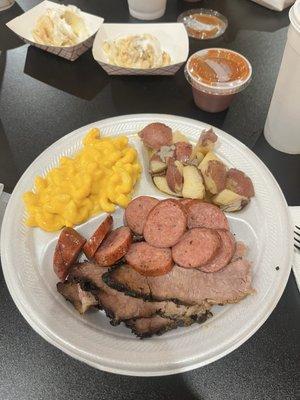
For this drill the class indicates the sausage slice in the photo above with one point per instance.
(196, 248)
(97, 238)
(166, 223)
(137, 212)
(205, 215)
(186, 202)
(67, 249)
(113, 247)
(149, 260)
(224, 255)
(156, 135)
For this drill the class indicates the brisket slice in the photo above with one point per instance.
(81, 299)
(157, 325)
(185, 286)
(143, 327)
(120, 307)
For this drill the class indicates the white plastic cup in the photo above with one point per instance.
(5, 4)
(147, 9)
(282, 128)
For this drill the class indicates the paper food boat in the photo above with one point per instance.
(25, 23)
(5, 4)
(172, 36)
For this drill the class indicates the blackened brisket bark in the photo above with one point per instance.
(185, 286)
(157, 325)
(120, 307)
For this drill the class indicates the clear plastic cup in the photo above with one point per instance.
(221, 74)
(147, 9)
(211, 25)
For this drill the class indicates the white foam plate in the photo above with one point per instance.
(27, 257)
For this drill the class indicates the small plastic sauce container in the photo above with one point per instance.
(203, 24)
(216, 75)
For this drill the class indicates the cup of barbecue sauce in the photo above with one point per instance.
(203, 24)
(216, 75)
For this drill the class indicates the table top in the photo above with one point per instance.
(42, 98)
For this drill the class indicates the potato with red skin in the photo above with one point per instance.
(174, 177)
(229, 201)
(207, 141)
(183, 152)
(166, 152)
(215, 176)
(161, 183)
(193, 186)
(214, 173)
(156, 165)
(156, 135)
(238, 182)
(179, 137)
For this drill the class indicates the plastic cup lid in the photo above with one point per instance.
(218, 88)
(197, 29)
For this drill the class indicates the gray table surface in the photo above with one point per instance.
(43, 98)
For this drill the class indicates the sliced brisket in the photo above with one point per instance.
(81, 299)
(186, 286)
(120, 307)
(156, 325)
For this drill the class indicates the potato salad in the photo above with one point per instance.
(136, 51)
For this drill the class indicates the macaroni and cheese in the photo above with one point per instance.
(99, 177)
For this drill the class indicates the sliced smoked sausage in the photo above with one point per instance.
(166, 223)
(97, 238)
(196, 247)
(114, 247)
(185, 202)
(149, 260)
(156, 135)
(137, 212)
(224, 255)
(205, 215)
(67, 249)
